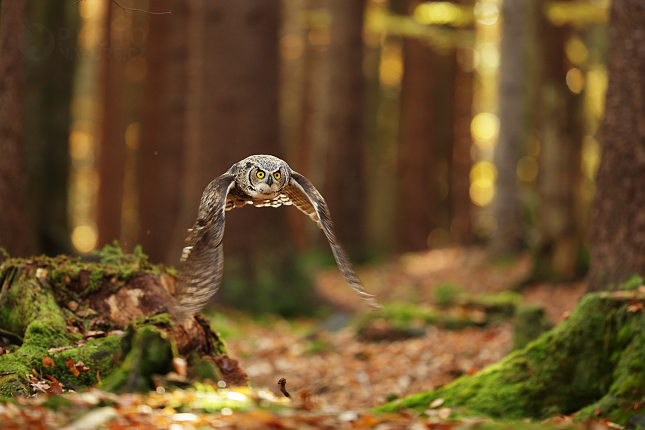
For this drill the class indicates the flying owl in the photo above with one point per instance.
(262, 180)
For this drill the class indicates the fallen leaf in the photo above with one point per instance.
(48, 362)
(72, 367)
(436, 403)
(179, 364)
(72, 305)
(57, 350)
(56, 388)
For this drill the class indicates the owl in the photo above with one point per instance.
(260, 180)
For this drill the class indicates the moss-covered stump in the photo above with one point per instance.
(62, 312)
(594, 362)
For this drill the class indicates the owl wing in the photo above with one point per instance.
(202, 259)
(306, 197)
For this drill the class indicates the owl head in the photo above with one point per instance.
(265, 175)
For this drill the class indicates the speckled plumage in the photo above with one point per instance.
(261, 180)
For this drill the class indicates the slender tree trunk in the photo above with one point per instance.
(461, 205)
(560, 174)
(344, 181)
(112, 154)
(417, 194)
(14, 225)
(49, 73)
(163, 130)
(506, 205)
(618, 229)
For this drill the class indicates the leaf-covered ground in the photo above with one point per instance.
(332, 374)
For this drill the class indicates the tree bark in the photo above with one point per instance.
(561, 130)
(344, 187)
(417, 193)
(618, 226)
(163, 130)
(49, 74)
(14, 225)
(508, 236)
(112, 152)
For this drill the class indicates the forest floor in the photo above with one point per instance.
(332, 375)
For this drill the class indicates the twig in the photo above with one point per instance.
(123, 8)
(282, 383)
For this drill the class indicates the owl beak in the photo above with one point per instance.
(269, 180)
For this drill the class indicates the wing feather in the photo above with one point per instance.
(202, 258)
(306, 197)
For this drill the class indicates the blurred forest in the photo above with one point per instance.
(423, 124)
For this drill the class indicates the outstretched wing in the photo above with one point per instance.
(306, 197)
(202, 259)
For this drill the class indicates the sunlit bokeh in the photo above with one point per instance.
(443, 13)
(391, 67)
(132, 135)
(575, 80)
(84, 238)
(484, 129)
(482, 191)
(485, 170)
(486, 12)
(576, 51)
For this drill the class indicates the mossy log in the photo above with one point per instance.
(592, 363)
(110, 316)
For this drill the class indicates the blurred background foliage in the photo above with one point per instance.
(424, 125)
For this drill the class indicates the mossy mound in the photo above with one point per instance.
(594, 362)
(96, 317)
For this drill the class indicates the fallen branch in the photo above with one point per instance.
(282, 383)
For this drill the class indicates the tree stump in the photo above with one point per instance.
(110, 317)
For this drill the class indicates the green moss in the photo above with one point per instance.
(150, 353)
(561, 372)
(530, 323)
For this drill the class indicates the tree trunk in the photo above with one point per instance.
(49, 74)
(461, 231)
(112, 152)
(618, 226)
(560, 174)
(508, 236)
(417, 194)
(163, 130)
(105, 315)
(14, 223)
(344, 187)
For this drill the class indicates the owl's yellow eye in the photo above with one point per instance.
(260, 174)
(276, 175)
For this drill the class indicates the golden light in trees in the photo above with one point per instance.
(87, 9)
(319, 37)
(527, 169)
(484, 128)
(590, 156)
(486, 12)
(575, 80)
(442, 13)
(391, 67)
(482, 191)
(84, 238)
(132, 135)
(291, 46)
(597, 86)
(576, 51)
(483, 169)
(489, 54)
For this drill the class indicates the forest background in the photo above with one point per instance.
(424, 125)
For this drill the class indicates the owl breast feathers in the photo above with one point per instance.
(261, 180)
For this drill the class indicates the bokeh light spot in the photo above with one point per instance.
(484, 128)
(482, 191)
(84, 238)
(575, 80)
(291, 46)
